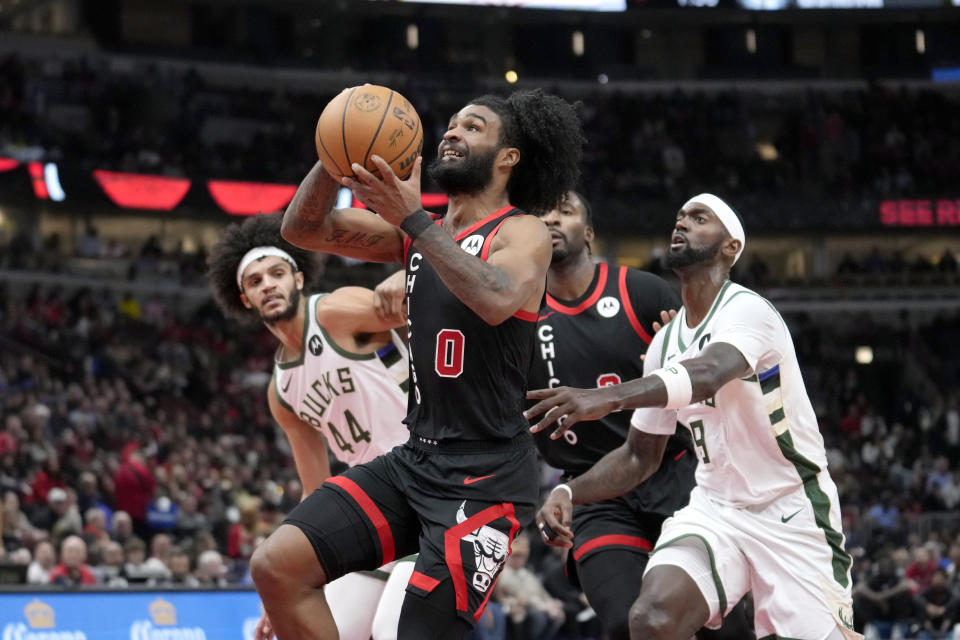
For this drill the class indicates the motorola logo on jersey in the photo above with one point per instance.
(473, 244)
(315, 345)
(608, 306)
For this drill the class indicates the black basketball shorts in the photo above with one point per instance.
(460, 509)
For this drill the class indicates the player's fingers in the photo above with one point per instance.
(561, 536)
(363, 176)
(656, 327)
(552, 415)
(539, 394)
(564, 422)
(543, 406)
(415, 173)
(386, 172)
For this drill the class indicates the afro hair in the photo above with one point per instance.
(236, 241)
(548, 133)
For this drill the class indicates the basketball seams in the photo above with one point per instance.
(376, 133)
(329, 155)
(343, 129)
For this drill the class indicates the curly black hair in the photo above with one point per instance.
(236, 241)
(547, 131)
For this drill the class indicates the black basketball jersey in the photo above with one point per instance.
(469, 379)
(595, 341)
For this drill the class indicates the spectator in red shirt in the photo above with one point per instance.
(920, 571)
(72, 570)
(133, 488)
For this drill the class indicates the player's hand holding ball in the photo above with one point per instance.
(369, 139)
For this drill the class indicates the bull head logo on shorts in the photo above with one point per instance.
(490, 548)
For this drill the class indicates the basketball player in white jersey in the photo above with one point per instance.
(764, 516)
(339, 383)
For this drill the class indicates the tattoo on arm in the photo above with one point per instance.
(348, 238)
(313, 200)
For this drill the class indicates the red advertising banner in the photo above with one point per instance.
(141, 191)
(249, 198)
(8, 164)
(920, 213)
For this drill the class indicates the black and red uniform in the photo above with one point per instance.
(594, 341)
(467, 480)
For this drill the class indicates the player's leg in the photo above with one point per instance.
(387, 617)
(353, 601)
(358, 521)
(611, 580)
(288, 578)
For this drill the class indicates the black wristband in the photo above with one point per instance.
(416, 223)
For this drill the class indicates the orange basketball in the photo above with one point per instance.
(367, 120)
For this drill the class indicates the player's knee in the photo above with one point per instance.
(649, 622)
(283, 562)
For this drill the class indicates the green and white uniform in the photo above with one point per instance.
(358, 402)
(765, 506)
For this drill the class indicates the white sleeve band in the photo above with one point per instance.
(679, 387)
(566, 488)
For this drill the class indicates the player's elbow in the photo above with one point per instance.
(289, 230)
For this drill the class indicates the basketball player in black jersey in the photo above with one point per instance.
(467, 479)
(596, 323)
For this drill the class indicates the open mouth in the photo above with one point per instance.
(677, 241)
(450, 153)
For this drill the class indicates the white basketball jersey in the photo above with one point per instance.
(357, 401)
(757, 438)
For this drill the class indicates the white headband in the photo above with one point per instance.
(727, 217)
(258, 253)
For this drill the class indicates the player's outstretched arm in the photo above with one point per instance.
(312, 222)
(308, 444)
(510, 280)
(613, 475)
(716, 366)
(352, 310)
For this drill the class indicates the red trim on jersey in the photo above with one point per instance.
(451, 539)
(628, 308)
(613, 540)
(485, 251)
(586, 304)
(423, 581)
(373, 513)
(680, 455)
(527, 316)
(476, 225)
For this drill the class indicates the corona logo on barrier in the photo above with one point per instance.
(163, 615)
(41, 619)
(39, 615)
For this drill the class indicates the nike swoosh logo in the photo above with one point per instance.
(790, 517)
(545, 315)
(469, 480)
(287, 386)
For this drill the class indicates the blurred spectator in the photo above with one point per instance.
(121, 527)
(240, 542)
(882, 600)
(920, 571)
(134, 485)
(938, 607)
(533, 613)
(44, 560)
(180, 575)
(211, 571)
(72, 570)
(111, 572)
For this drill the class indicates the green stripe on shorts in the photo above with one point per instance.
(721, 594)
(821, 506)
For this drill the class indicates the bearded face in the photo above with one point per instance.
(471, 173)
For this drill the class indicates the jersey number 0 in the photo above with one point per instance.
(449, 360)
